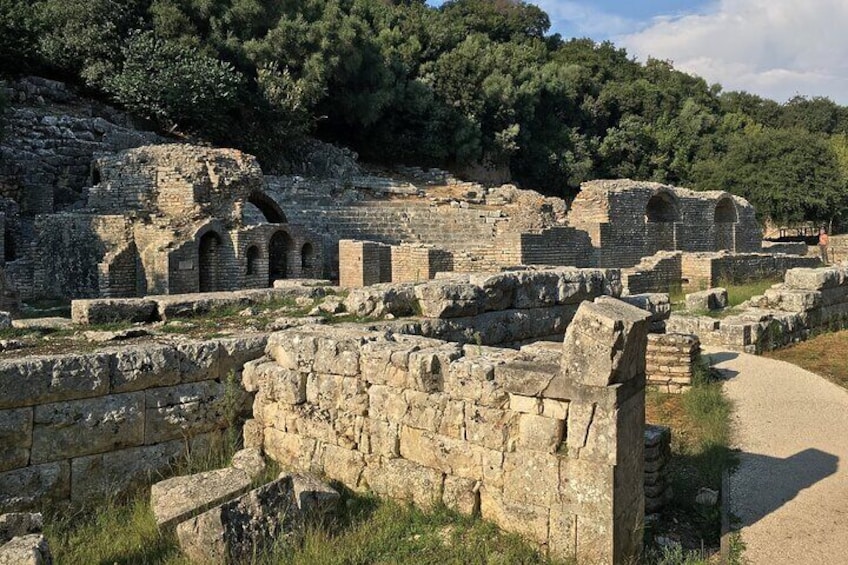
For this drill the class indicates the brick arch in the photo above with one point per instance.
(268, 206)
(662, 207)
(209, 251)
(725, 211)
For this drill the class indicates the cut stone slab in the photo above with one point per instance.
(313, 497)
(237, 530)
(16, 524)
(249, 460)
(31, 549)
(180, 498)
(712, 299)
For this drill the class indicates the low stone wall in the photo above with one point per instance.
(166, 306)
(488, 309)
(658, 273)
(78, 426)
(785, 247)
(706, 270)
(669, 361)
(837, 249)
(809, 300)
(550, 446)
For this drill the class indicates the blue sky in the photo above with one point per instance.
(774, 48)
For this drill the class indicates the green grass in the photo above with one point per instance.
(701, 435)
(737, 293)
(817, 355)
(365, 530)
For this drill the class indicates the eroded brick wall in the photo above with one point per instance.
(670, 361)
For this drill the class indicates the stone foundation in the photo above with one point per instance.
(547, 445)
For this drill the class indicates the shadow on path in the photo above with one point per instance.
(762, 484)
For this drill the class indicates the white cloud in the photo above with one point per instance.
(583, 20)
(774, 48)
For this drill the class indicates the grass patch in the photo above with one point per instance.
(819, 355)
(701, 434)
(737, 293)
(365, 530)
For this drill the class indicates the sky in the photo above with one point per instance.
(774, 48)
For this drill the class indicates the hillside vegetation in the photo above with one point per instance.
(474, 81)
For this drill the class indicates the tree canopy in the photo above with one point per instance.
(473, 81)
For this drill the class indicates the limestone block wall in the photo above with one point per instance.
(659, 273)
(808, 301)
(488, 309)
(838, 249)
(670, 360)
(546, 445)
(706, 270)
(82, 425)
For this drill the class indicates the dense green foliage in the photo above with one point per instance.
(474, 81)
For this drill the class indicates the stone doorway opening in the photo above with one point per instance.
(278, 255)
(209, 262)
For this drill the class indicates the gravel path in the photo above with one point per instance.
(791, 489)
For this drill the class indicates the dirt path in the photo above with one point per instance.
(791, 489)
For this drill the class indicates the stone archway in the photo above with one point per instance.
(725, 219)
(209, 262)
(279, 252)
(661, 214)
(268, 207)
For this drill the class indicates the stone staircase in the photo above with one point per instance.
(221, 516)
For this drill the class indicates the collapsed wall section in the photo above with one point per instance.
(548, 446)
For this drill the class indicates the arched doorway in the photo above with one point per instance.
(725, 222)
(252, 260)
(279, 250)
(661, 213)
(307, 258)
(209, 262)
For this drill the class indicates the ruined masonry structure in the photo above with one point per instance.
(546, 444)
(170, 219)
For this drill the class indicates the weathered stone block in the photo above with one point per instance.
(313, 497)
(293, 349)
(814, 279)
(15, 437)
(38, 380)
(238, 530)
(462, 495)
(531, 478)
(527, 520)
(111, 310)
(278, 384)
(144, 366)
(30, 549)
(30, 487)
(405, 480)
(289, 450)
(539, 433)
(236, 351)
(344, 465)
(449, 299)
(711, 299)
(376, 301)
(491, 428)
(82, 427)
(16, 524)
(179, 498)
(525, 404)
(184, 410)
(199, 361)
(605, 344)
(253, 433)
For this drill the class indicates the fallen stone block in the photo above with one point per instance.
(16, 524)
(238, 530)
(712, 299)
(26, 550)
(180, 498)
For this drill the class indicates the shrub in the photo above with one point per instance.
(176, 85)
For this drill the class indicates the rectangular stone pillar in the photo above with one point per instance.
(363, 263)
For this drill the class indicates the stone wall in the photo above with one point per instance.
(50, 139)
(549, 446)
(808, 301)
(82, 425)
(658, 273)
(707, 270)
(363, 263)
(628, 220)
(417, 262)
(670, 361)
(488, 309)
